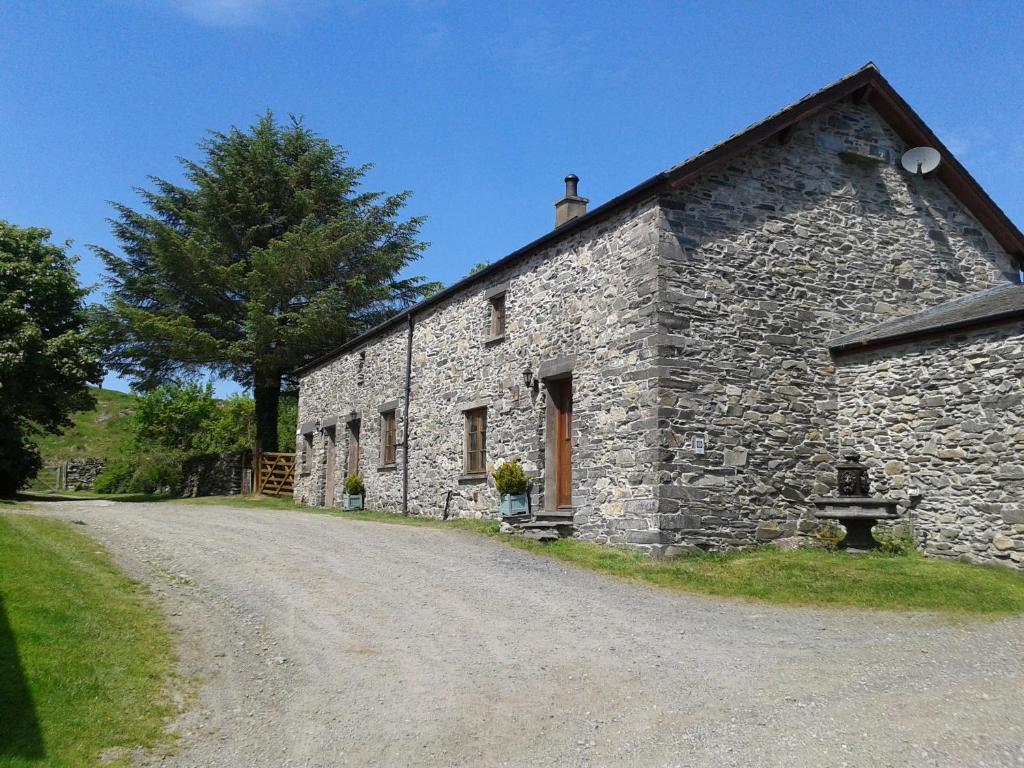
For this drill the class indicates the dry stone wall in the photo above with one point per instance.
(943, 421)
(762, 261)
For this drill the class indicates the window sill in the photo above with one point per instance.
(475, 477)
(491, 340)
(387, 467)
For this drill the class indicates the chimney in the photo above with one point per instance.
(572, 205)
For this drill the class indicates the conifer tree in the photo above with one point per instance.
(267, 256)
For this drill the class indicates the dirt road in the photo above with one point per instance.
(329, 642)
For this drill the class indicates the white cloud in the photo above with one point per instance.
(235, 13)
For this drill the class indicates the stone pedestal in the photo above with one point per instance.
(858, 514)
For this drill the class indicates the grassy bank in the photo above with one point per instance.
(803, 577)
(810, 577)
(84, 655)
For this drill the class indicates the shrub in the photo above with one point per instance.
(155, 472)
(354, 485)
(510, 479)
(829, 535)
(895, 539)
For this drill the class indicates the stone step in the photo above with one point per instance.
(540, 534)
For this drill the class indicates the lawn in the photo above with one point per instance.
(811, 577)
(85, 660)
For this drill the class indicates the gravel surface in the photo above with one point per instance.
(321, 641)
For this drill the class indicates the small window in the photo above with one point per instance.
(476, 442)
(498, 316)
(360, 364)
(388, 443)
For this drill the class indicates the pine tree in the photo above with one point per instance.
(267, 257)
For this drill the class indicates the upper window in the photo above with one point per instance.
(476, 441)
(498, 316)
(388, 442)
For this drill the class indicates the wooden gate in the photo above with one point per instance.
(275, 473)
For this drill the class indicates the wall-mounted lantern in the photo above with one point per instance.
(528, 378)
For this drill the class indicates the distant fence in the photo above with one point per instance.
(275, 473)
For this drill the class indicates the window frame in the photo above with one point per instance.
(499, 317)
(474, 462)
(389, 437)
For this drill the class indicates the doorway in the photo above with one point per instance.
(560, 391)
(352, 465)
(332, 450)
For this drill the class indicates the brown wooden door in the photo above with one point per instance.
(332, 450)
(563, 443)
(353, 447)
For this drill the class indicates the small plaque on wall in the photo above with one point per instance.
(699, 444)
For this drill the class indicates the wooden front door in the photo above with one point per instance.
(353, 447)
(332, 450)
(562, 391)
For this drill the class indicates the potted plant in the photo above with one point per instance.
(352, 498)
(512, 484)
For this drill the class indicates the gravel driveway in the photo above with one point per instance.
(328, 642)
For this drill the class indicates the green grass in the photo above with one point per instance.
(808, 577)
(85, 659)
(95, 434)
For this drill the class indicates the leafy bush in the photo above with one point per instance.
(510, 479)
(354, 485)
(150, 472)
(287, 419)
(174, 416)
(829, 535)
(895, 539)
(231, 428)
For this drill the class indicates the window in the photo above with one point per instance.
(498, 316)
(359, 368)
(388, 443)
(476, 441)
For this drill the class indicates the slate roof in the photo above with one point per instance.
(1003, 303)
(865, 84)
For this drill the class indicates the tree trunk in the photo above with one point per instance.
(267, 394)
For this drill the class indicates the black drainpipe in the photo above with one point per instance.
(405, 418)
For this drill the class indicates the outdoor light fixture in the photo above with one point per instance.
(528, 381)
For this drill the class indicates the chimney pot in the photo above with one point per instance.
(571, 206)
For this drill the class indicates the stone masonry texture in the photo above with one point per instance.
(944, 421)
(702, 312)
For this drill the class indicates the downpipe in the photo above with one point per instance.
(405, 417)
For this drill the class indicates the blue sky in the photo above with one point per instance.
(479, 108)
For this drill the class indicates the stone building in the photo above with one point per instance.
(681, 366)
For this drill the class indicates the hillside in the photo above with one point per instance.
(96, 433)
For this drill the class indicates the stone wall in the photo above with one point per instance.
(703, 313)
(762, 261)
(945, 418)
(80, 474)
(584, 304)
(214, 475)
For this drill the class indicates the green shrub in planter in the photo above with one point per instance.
(354, 492)
(512, 484)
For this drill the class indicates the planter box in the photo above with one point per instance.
(351, 502)
(518, 504)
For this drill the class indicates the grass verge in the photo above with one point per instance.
(808, 577)
(84, 656)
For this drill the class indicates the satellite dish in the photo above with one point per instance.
(920, 160)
